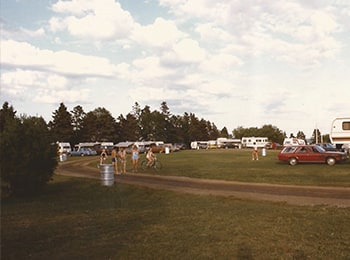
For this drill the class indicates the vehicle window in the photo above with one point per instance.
(346, 125)
(302, 150)
(318, 149)
(289, 149)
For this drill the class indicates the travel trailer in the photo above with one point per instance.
(340, 132)
(199, 145)
(223, 142)
(251, 141)
(64, 147)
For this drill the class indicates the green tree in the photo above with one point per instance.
(301, 135)
(316, 136)
(61, 126)
(213, 132)
(175, 132)
(128, 128)
(78, 116)
(7, 116)
(99, 125)
(28, 157)
(147, 124)
(224, 133)
(271, 132)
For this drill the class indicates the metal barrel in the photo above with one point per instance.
(107, 174)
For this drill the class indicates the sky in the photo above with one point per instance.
(232, 62)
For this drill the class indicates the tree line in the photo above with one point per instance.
(28, 154)
(143, 124)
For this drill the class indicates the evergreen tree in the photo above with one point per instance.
(78, 116)
(224, 133)
(7, 116)
(61, 126)
(147, 124)
(316, 136)
(128, 128)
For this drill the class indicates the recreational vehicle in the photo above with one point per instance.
(340, 132)
(64, 147)
(223, 142)
(199, 145)
(252, 141)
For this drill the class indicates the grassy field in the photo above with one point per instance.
(80, 219)
(236, 165)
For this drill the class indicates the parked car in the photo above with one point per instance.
(83, 151)
(158, 148)
(328, 147)
(310, 153)
(230, 145)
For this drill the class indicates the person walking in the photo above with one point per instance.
(122, 158)
(115, 160)
(255, 153)
(135, 158)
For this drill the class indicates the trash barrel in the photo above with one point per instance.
(63, 157)
(107, 174)
(263, 152)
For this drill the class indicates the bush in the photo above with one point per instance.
(28, 159)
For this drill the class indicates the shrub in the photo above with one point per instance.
(27, 157)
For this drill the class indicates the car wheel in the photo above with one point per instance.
(330, 161)
(293, 161)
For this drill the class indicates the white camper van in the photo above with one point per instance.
(340, 132)
(64, 147)
(250, 141)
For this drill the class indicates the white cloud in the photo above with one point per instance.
(185, 51)
(162, 33)
(94, 19)
(68, 96)
(41, 86)
(148, 70)
(24, 55)
(211, 58)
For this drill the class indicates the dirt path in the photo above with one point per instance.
(291, 194)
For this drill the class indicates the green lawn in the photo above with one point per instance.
(236, 165)
(80, 219)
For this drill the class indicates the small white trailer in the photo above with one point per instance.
(252, 141)
(340, 133)
(64, 147)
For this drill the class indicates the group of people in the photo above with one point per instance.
(120, 156)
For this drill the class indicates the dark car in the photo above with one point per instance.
(328, 147)
(310, 153)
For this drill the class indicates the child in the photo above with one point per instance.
(150, 157)
(255, 154)
(103, 156)
(122, 157)
(135, 158)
